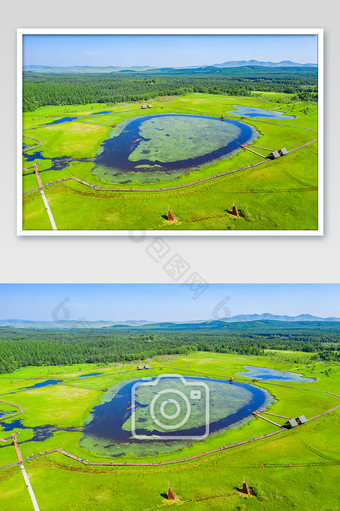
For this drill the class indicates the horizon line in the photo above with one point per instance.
(178, 67)
(84, 320)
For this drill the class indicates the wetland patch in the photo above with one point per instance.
(107, 430)
(253, 112)
(162, 147)
(263, 373)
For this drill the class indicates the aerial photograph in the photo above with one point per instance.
(193, 132)
(141, 396)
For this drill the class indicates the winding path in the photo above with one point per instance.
(99, 189)
(33, 147)
(197, 456)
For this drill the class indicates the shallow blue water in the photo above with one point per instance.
(40, 433)
(109, 417)
(44, 384)
(115, 151)
(58, 163)
(252, 112)
(60, 121)
(262, 373)
(90, 374)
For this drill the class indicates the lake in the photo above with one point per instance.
(263, 373)
(159, 147)
(252, 112)
(107, 430)
(154, 147)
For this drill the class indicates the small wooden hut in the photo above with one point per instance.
(301, 420)
(274, 155)
(283, 151)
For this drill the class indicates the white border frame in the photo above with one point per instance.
(140, 31)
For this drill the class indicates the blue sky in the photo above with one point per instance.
(165, 50)
(163, 302)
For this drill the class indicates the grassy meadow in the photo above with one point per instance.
(295, 469)
(277, 195)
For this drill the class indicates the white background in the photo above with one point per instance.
(242, 259)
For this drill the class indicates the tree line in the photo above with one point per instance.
(20, 348)
(41, 89)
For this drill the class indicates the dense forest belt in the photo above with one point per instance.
(190, 458)
(41, 89)
(99, 189)
(21, 348)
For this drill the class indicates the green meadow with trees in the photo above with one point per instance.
(278, 194)
(295, 468)
(21, 347)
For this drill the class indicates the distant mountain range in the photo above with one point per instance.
(168, 70)
(243, 63)
(272, 317)
(234, 323)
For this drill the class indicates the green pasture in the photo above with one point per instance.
(296, 468)
(277, 195)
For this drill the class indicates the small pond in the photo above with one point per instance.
(101, 113)
(90, 374)
(108, 428)
(263, 373)
(60, 121)
(154, 147)
(44, 384)
(252, 112)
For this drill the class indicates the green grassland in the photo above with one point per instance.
(295, 469)
(277, 195)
